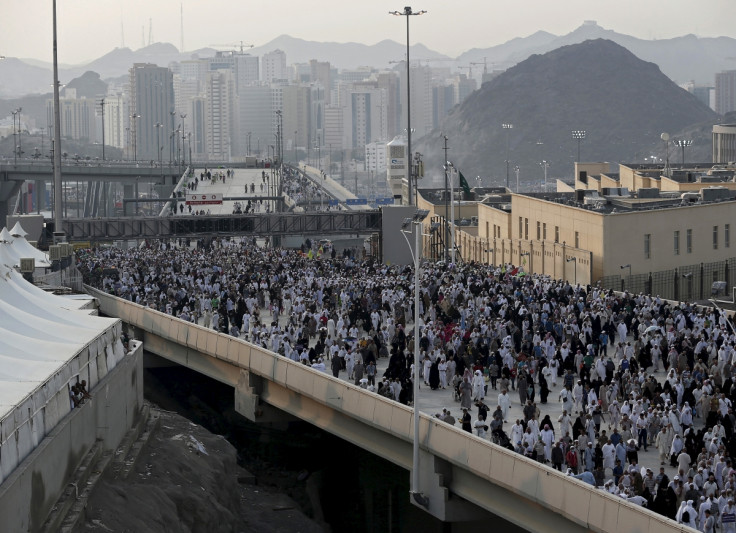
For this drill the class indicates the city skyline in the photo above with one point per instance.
(111, 23)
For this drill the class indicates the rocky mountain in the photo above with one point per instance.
(622, 102)
(683, 58)
(88, 85)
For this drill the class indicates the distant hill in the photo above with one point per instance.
(622, 102)
(88, 85)
(344, 55)
(683, 58)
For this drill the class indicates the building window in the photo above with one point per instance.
(521, 227)
(557, 233)
(526, 229)
(727, 236)
(647, 245)
(689, 239)
(539, 230)
(677, 243)
(544, 231)
(715, 237)
(577, 240)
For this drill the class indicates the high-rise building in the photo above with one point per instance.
(421, 100)
(321, 72)
(296, 117)
(116, 112)
(220, 126)
(77, 117)
(151, 102)
(366, 116)
(273, 67)
(389, 82)
(726, 92)
(256, 102)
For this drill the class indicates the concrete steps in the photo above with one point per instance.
(70, 509)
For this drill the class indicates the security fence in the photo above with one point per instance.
(691, 282)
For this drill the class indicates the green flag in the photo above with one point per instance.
(464, 185)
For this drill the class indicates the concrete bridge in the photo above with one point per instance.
(461, 474)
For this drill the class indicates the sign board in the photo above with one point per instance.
(356, 201)
(204, 199)
(384, 201)
(332, 202)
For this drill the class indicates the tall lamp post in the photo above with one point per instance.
(184, 154)
(408, 13)
(416, 224)
(135, 116)
(545, 165)
(57, 137)
(683, 143)
(102, 112)
(508, 127)
(517, 170)
(20, 131)
(296, 161)
(158, 127)
(578, 135)
(15, 140)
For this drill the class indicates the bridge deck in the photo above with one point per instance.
(535, 497)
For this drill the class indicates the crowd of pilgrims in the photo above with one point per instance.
(481, 328)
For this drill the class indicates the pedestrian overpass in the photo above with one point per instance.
(461, 474)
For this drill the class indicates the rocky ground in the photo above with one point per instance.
(187, 479)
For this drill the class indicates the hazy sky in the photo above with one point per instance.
(90, 28)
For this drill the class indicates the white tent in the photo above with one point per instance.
(46, 345)
(18, 230)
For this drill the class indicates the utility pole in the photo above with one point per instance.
(102, 112)
(447, 196)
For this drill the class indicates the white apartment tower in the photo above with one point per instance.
(273, 67)
(220, 102)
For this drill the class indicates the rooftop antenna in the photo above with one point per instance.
(150, 32)
(181, 8)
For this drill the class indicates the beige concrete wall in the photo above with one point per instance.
(589, 226)
(624, 237)
(503, 482)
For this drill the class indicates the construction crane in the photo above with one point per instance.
(485, 65)
(470, 70)
(242, 45)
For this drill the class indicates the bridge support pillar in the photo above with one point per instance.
(249, 404)
(435, 478)
(129, 191)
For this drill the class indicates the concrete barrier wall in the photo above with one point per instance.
(530, 482)
(28, 494)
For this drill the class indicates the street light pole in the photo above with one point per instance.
(102, 112)
(135, 116)
(416, 224)
(447, 197)
(578, 135)
(516, 170)
(408, 13)
(296, 161)
(683, 143)
(57, 136)
(508, 127)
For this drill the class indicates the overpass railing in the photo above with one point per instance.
(540, 486)
(334, 222)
